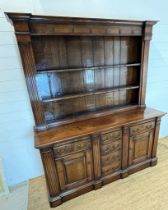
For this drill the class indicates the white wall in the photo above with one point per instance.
(21, 160)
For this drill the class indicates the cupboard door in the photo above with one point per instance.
(140, 145)
(75, 169)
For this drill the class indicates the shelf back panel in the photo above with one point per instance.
(67, 52)
(79, 51)
(51, 85)
(56, 110)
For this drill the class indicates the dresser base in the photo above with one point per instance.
(56, 201)
(85, 156)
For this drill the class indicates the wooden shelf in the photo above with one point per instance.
(50, 70)
(89, 114)
(73, 34)
(72, 96)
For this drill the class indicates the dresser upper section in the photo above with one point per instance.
(82, 68)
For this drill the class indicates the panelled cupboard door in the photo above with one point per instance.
(75, 169)
(140, 144)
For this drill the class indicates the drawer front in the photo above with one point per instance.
(142, 128)
(111, 137)
(111, 168)
(110, 148)
(76, 145)
(110, 163)
(108, 159)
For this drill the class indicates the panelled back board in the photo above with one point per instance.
(87, 82)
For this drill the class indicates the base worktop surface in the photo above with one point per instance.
(65, 132)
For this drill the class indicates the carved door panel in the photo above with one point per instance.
(140, 145)
(110, 150)
(75, 167)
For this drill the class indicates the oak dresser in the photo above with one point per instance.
(86, 79)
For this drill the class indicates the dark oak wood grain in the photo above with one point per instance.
(86, 78)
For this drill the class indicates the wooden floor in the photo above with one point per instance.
(145, 190)
(16, 199)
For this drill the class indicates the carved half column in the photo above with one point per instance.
(47, 157)
(125, 152)
(96, 160)
(155, 141)
(23, 35)
(144, 60)
(29, 70)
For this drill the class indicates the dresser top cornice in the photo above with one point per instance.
(61, 19)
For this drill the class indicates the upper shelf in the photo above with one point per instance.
(50, 70)
(72, 96)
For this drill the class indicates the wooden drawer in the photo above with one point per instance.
(142, 128)
(110, 158)
(109, 148)
(111, 137)
(75, 145)
(111, 168)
